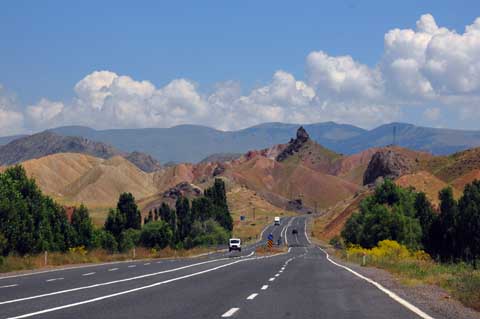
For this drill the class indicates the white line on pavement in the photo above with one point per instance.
(129, 291)
(146, 264)
(230, 313)
(109, 282)
(252, 296)
(9, 286)
(132, 266)
(89, 274)
(54, 279)
(391, 294)
(264, 287)
(113, 269)
(271, 279)
(277, 275)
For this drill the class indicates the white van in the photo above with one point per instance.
(234, 244)
(276, 221)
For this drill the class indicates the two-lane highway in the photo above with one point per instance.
(301, 283)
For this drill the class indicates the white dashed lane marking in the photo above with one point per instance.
(9, 286)
(271, 279)
(54, 279)
(277, 275)
(132, 266)
(146, 264)
(89, 274)
(113, 269)
(230, 313)
(264, 287)
(252, 296)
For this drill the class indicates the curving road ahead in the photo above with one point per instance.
(302, 283)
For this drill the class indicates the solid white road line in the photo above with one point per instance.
(109, 282)
(9, 286)
(132, 266)
(271, 279)
(306, 236)
(129, 291)
(113, 269)
(230, 313)
(89, 274)
(54, 279)
(264, 287)
(252, 296)
(389, 293)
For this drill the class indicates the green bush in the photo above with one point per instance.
(208, 233)
(156, 235)
(129, 239)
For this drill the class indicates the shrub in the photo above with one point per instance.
(129, 238)
(156, 235)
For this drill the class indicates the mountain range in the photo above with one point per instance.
(193, 143)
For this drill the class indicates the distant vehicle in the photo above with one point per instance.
(294, 231)
(235, 244)
(276, 221)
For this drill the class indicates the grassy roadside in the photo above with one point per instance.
(81, 256)
(460, 280)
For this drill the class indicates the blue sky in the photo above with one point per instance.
(48, 47)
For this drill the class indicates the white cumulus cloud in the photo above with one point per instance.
(423, 66)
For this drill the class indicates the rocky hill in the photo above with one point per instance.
(48, 143)
(144, 161)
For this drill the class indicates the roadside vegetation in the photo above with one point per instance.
(398, 230)
(32, 224)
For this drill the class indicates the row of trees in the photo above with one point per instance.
(403, 215)
(31, 222)
(204, 221)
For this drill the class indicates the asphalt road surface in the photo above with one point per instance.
(301, 283)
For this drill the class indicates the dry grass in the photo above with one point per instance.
(79, 256)
(461, 280)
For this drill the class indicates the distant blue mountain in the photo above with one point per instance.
(192, 143)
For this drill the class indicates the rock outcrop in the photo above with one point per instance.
(144, 161)
(387, 164)
(294, 145)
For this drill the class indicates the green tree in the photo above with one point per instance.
(128, 208)
(115, 223)
(217, 194)
(184, 218)
(82, 227)
(156, 235)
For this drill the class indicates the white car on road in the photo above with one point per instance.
(234, 244)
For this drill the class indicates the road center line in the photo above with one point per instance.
(108, 283)
(264, 287)
(89, 274)
(9, 286)
(131, 291)
(54, 279)
(230, 313)
(252, 296)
